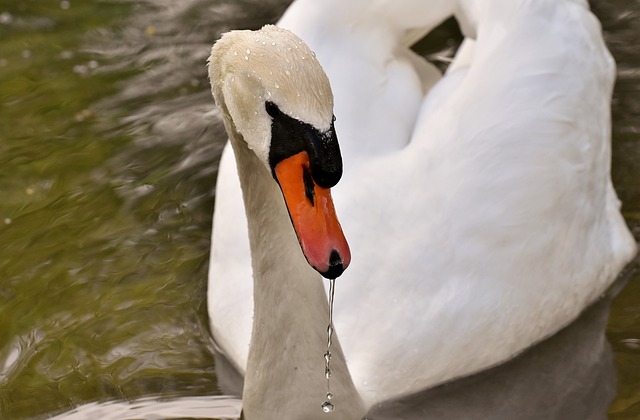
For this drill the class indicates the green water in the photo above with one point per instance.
(107, 173)
(104, 243)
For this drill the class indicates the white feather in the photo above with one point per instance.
(481, 215)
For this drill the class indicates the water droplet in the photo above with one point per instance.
(274, 44)
(248, 51)
(65, 4)
(7, 221)
(246, 58)
(277, 86)
(287, 72)
(235, 53)
(327, 407)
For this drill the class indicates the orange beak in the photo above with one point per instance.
(313, 216)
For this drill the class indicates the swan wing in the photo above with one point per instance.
(497, 224)
(230, 287)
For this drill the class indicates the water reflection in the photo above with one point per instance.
(107, 165)
(151, 408)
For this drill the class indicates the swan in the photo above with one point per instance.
(478, 206)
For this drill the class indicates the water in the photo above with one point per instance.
(107, 164)
(151, 408)
(327, 406)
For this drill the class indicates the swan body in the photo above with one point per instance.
(478, 206)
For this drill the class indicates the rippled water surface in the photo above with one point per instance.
(107, 170)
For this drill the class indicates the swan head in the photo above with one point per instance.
(276, 98)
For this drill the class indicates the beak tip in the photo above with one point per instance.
(337, 265)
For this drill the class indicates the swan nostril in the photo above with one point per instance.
(309, 186)
(336, 266)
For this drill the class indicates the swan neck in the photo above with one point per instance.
(285, 367)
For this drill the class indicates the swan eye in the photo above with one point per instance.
(272, 109)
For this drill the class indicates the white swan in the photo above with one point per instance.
(481, 215)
